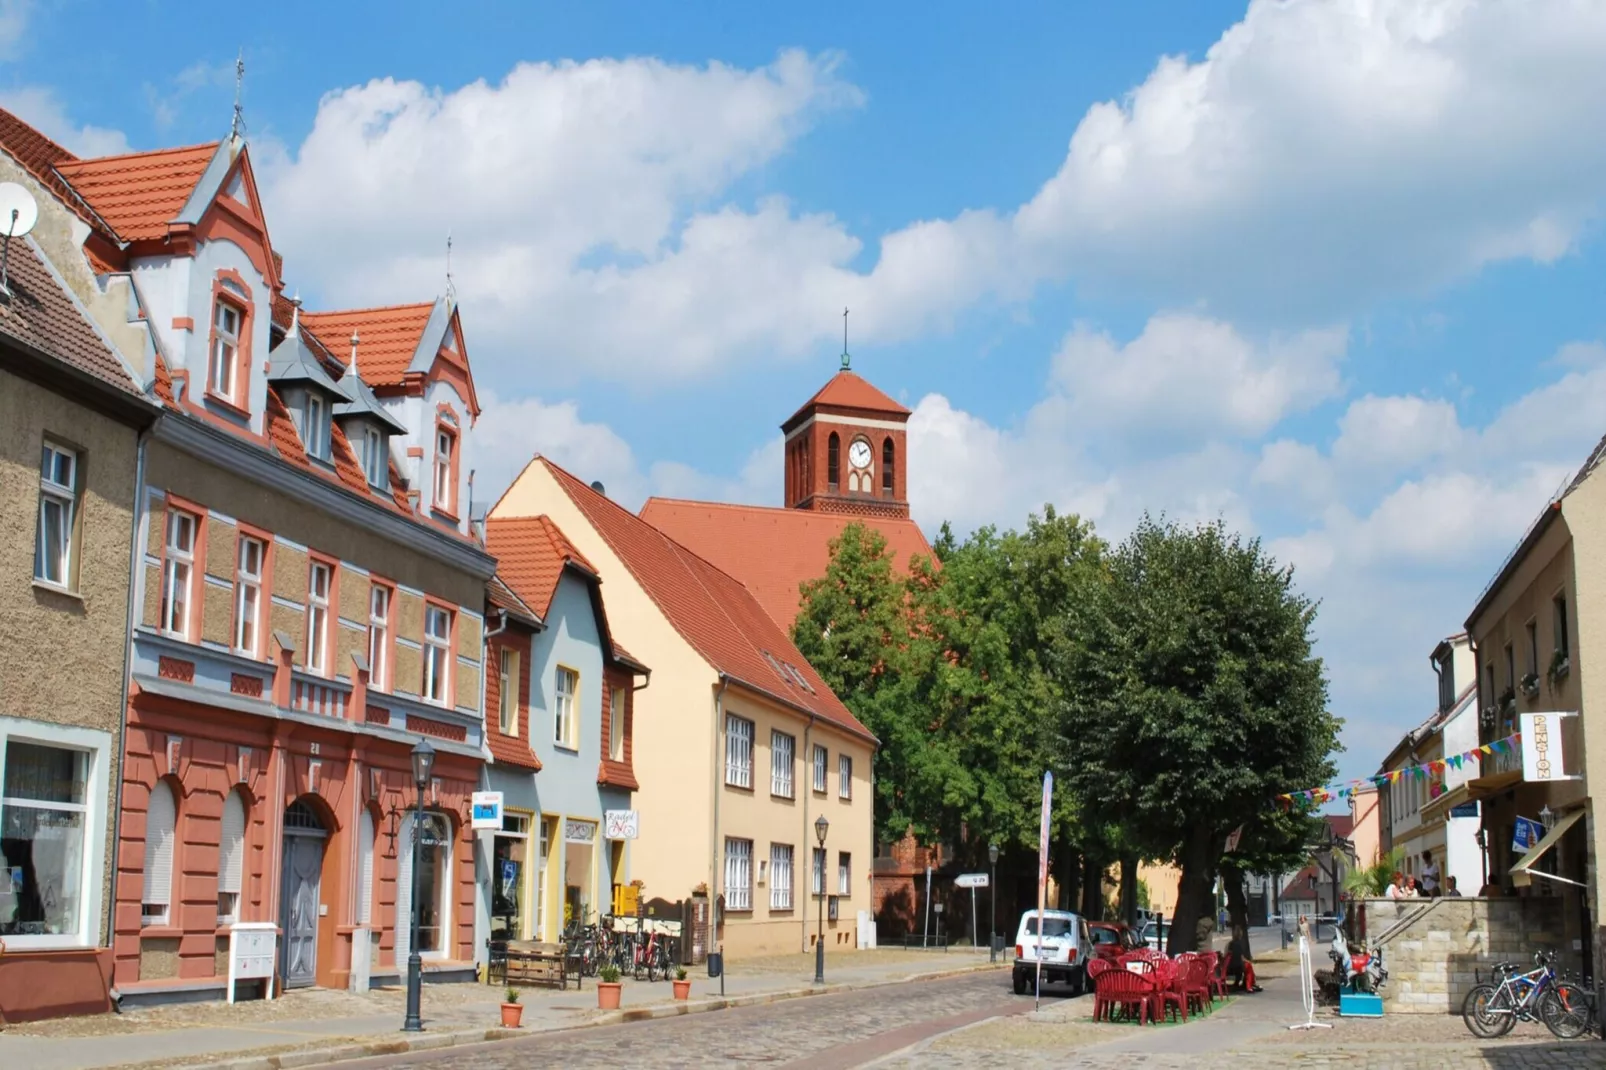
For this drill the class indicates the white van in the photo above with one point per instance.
(1066, 949)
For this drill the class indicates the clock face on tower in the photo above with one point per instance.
(859, 454)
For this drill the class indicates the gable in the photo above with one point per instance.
(231, 209)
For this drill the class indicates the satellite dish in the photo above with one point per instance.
(18, 210)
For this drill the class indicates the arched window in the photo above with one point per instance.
(886, 467)
(231, 859)
(833, 461)
(161, 816)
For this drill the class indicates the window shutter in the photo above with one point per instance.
(231, 845)
(159, 820)
(404, 889)
(365, 868)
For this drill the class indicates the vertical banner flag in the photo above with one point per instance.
(1042, 881)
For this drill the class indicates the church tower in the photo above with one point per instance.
(846, 451)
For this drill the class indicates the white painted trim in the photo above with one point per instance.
(849, 421)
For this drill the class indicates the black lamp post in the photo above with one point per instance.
(992, 935)
(423, 763)
(821, 827)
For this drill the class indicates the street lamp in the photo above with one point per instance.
(992, 935)
(1547, 817)
(821, 827)
(423, 763)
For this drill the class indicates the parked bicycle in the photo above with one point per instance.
(1493, 1010)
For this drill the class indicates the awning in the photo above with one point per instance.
(1522, 874)
(1485, 786)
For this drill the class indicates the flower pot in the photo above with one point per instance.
(511, 1014)
(608, 995)
(682, 989)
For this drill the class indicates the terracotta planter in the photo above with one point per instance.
(511, 1014)
(608, 995)
(682, 989)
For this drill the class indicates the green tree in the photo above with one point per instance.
(1374, 880)
(1274, 841)
(1193, 699)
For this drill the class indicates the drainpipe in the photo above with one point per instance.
(713, 853)
(808, 797)
(135, 583)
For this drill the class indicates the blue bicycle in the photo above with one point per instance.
(1492, 1010)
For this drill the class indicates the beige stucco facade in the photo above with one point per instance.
(63, 662)
(687, 811)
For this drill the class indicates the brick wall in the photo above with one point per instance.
(1435, 948)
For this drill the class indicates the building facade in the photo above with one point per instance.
(72, 425)
(307, 593)
(563, 707)
(739, 745)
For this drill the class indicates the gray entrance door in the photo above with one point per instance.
(303, 867)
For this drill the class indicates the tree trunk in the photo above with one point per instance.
(1237, 907)
(1092, 888)
(1199, 856)
(1129, 889)
(1071, 886)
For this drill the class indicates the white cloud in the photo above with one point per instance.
(43, 109)
(1396, 432)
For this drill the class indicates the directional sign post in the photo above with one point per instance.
(972, 881)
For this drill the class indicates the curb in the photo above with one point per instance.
(423, 1042)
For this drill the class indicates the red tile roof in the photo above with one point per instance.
(40, 157)
(846, 390)
(141, 193)
(531, 554)
(387, 338)
(42, 315)
(711, 610)
(508, 749)
(282, 432)
(773, 551)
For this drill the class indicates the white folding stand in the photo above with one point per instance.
(1307, 988)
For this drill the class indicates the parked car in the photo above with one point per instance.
(1112, 939)
(1154, 935)
(1067, 947)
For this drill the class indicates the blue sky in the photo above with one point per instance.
(1330, 270)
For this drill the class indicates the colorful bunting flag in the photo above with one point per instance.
(1419, 772)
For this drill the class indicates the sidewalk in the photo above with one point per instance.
(310, 1026)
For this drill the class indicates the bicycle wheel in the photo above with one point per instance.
(1487, 1012)
(1564, 1008)
(652, 964)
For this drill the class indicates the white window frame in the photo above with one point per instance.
(96, 746)
(151, 896)
(54, 494)
(565, 706)
(781, 862)
(738, 874)
(844, 873)
(379, 601)
(373, 456)
(783, 762)
(437, 655)
(445, 444)
(844, 776)
(318, 617)
(224, 360)
(507, 667)
(248, 595)
(738, 751)
(817, 871)
(822, 760)
(315, 433)
(178, 573)
(616, 724)
(231, 868)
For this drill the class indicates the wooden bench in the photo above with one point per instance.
(531, 963)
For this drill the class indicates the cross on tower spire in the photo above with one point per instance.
(847, 361)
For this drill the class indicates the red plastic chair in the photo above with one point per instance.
(1124, 989)
(1096, 967)
(1194, 981)
(1169, 991)
(1218, 974)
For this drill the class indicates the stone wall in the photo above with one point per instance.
(1435, 949)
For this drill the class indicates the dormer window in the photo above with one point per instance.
(227, 318)
(374, 465)
(315, 427)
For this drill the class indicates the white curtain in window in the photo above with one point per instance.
(231, 845)
(160, 817)
(365, 868)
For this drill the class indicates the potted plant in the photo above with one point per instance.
(1530, 685)
(682, 985)
(1559, 664)
(512, 1012)
(608, 987)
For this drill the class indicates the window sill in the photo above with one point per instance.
(228, 405)
(746, 788)
(163, 931)
(445, 514)
(57, 589)
(784, 797)
(566, 748)
(21, 945)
